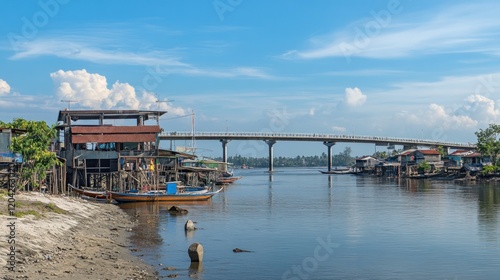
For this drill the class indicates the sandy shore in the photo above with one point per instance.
(75, 240)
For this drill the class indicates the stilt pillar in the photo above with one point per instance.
(270, 143)
(224, 149)
(329, 145)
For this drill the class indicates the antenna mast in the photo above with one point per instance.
(69, 102)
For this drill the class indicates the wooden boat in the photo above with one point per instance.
(152, 196)
(227, 180)
(89, 193)
(192, 190)
(338, 171)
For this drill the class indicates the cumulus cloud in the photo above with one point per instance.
(477, 110)
(4, 87)
(481, 108)
(437, 115)
(91, 91)
(354, 97)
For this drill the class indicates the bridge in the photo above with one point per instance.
(328, 140)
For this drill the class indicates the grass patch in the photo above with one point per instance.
(48, 207)
(35, 208)
(3, 193)
(21, 214)
(56, 209)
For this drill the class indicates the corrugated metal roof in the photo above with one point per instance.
(465, 153)
(107, 114)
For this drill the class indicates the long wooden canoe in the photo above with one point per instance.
(89, 193)
(156, 196)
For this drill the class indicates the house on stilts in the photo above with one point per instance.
(115, 150)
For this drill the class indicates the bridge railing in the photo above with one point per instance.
(389, 140)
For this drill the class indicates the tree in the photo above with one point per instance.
(380, 154)
(442, 151)
(423, 167)
(34, 148)
(488, 142)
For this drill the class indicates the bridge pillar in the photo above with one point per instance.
(224, 149)
(270, 143)
(329, 145)
(408, 147)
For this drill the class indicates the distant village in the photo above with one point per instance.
(92, 153)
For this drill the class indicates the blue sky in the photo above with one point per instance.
(418, 69)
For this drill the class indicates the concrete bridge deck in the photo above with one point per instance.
(382, 141)
(328, 140)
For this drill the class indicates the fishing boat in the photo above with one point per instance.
(339, 171)
(152, 196)
(227, 180)
(192, 190)
(90, 193)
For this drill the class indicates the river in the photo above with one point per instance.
(301, 224)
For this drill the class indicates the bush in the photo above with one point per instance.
(423, 167)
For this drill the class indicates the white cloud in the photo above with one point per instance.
(79, 48)
(165, 62)
(465, 28)
(476, 111)
(312, 111)
(481, 108)
(90, 90)
(338, 129)
(4, 87)
(354, 97)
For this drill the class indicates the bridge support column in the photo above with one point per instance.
(329, 145)
(270, 143)
(224, 149)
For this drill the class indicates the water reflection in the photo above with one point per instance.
(488, 205)
(195, 268)
(387, 229)
(147, 232)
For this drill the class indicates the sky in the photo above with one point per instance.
(390, 68)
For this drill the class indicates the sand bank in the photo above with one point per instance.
(71, 239)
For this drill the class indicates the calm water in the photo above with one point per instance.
(301, 224)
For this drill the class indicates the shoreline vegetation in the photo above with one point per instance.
(60, 237)
(341, 159)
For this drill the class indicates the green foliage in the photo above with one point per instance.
(442, 151)
(424, 166)
(489, 169)
(34, 147)
(380, 154)
(488, 143)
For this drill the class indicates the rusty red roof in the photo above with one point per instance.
(117, 134)
(429, 152)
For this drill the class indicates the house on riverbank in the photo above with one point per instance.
(110, 149)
